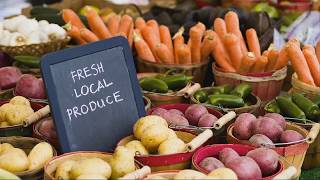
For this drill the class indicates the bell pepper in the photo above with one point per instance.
(242, 90)
(153, 85)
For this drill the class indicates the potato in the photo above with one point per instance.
(39, 154)
(207, 120)
(90, 166)
(144, 122)
(47, 128)
(14, 160)
(245, 168)
(153, 136)
(242, 128)
(63, 170)
(4, 147)
(267, 160)
(171, 146)
(290, 136)
(259, 140)
(227, 154)
(278, 118)
(194, 113)
(160, 112)
(31, 87)
(268, 127)
(20, 100)
(18, 113)
(223, 173)
(154, 177)
(137, 148)
(122, 162)
(189, 174)
(4, 124)
(176, 111)
(172, 134)
(176, 119)
(91, 176)
(4, 109)
(9, 77)
(211, 163)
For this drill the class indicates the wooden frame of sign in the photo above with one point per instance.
(94, 94)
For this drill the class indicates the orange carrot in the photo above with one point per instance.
(113, 24)
(97, 25)
(260, 64)
(165, 37)
(137, 31)
(312, 61)
(178, 40)
(69, 16)
(207, 45)
(318, 50)
(247, 62)
(195, 44)
(253, 41)
(266, 53)
(163, 54)
(155, 26)
(140, 23)
(282, 60)
(184, 54)
(232, 44)
(142, 48)
(220, 55)
(88, 35)
(130, 35)
(150, 37)
(295, 42)
(299, 63)
(220, 27)
(125, 24)
(74, 32)
(201, 26)
(272, 60)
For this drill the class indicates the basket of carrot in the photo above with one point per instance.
(239, 60)
(158, 52)
(306, 64)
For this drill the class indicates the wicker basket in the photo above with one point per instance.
(26, 144)
(301, 87)
(36, 49)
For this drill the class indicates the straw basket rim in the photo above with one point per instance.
(67, 38)
(173, 66)
(296, 83)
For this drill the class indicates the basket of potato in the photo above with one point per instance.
(25, 156)
(13, 113)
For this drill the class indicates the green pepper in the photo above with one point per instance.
(226, 100)
(223, 89)
(273, 107)
(153, 85)
(30, 61)
(242, 90)
(177, 81)
(308, 107)
(201, 96)
(316, 100)
(289, 108)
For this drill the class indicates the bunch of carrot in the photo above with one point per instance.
(115, 26)
(305, 62)
(154, 43)
(233, 54)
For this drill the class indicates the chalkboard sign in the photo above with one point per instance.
(93, 93)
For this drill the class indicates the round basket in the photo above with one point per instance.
(252, 99)
(198, 71)
(36, 49)
(301, 87)
(37, 134)
(26, 144)
(213, 151)
(266, 86)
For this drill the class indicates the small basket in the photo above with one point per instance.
(26, 144)
(36, 49)
(301, 87)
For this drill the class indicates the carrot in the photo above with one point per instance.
(69, 16)
(266, 53)
(130, 35)
(201, 26)
(272, 60)
(195, 44)
(220, 27)
(184, 54)
(88, 35)
(282, 60)
(299, 64)
(140, 23)
(150, 37)
(220, 55)
(232, 24)
(125, 24)
(178, 40)
(253, 41)
(260, 64)
(74, 32)
(113, 24)
(295, 42)
(247, 62)
(155, 26)
(318, 50)
(97, 26)
(142, 48)
(137, 31)
(163, 54)
(165, 37)
(207, 45)
(312, 61)
(232, 44)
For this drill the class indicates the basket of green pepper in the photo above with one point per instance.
(228, 98)
(170, 87)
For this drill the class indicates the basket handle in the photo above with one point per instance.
(286, 174)
(138, 174)
(193, 88)
(36, 116)
(224, 120)
(199, 140)
(313, 133)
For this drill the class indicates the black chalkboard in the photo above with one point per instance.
(93, 93)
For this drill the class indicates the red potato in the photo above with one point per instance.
(176, 119)
(207, 120)
(194, 113)
(211, 163)
(48, 129)
(290, 136)
(227, 154)
(176, 111)
(31, 87)
(159, 112)
(268, 127)
(242, 128)
(9, 77)
(267, 160)
(259, 140)
(278, 118)
(245, 168)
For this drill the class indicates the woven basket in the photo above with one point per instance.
(301, 87)
(36, 49)
(26, 144)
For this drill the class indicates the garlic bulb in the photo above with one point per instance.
(54, 31)
(33, 37)
(17, 39)
(1, 26)
(27, 26)
(13, 23)
(5, 39)
(43, 23)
